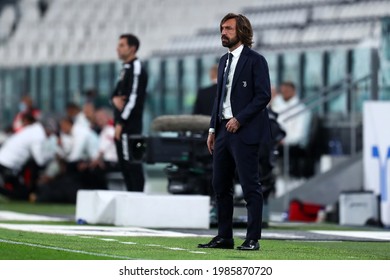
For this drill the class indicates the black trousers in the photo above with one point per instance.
(62, 189)
(133, 173)
(230, 154)
(11, 184)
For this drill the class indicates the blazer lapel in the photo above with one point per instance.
(221, 70)
(240, 65)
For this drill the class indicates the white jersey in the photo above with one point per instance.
(82, 144)
(107, 144)
(81, 119)
(30, 142)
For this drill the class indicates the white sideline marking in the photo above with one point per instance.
(274, 235)
(94, 230)
(14, 216)
(128, 243)
(197, 252)
(375, 235)
(153, 245)
(175, 248)
(64, 249)
(87, 231)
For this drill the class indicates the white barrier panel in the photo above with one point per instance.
(163, 211)
(357, 208)
(97, 207)
(142, 210)
(376, 156)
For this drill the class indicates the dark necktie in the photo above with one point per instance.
(224, 84)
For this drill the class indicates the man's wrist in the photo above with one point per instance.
(211, 131)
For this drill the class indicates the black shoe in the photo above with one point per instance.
(219, 242)
(249, 245)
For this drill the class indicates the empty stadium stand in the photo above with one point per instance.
(281, 25)
(86, 31)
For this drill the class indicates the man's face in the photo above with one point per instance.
(124, 50)
(101, 119)
(89, 111)
(229, 34)
(287, 92)
(71, 112)
(65, 127)
(28, 101)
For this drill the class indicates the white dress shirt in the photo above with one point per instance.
(227, 107)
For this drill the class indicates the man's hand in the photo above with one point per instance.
(233, 125)
(119, 102)
(118, 131)
(81, 166)
(210, 142)
(97, 162)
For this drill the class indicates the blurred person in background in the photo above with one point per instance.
(206, 96)
(22, 155)
(289, 105)
(93, 96)
(74, 159)
(80, 116)
(276, 100)
(3, 136)
(89, 111)
(128, 101)
(26, 106)
(83, 144)
(107, 158)
(295, 121)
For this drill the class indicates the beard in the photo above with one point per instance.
(228, 43)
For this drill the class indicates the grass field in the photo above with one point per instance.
(24, 245)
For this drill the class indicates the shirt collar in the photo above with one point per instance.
(237, 52)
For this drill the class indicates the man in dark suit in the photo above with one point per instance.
(239, 124)
(206, 96)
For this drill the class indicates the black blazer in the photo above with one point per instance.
(250, 95)
(205, 100)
